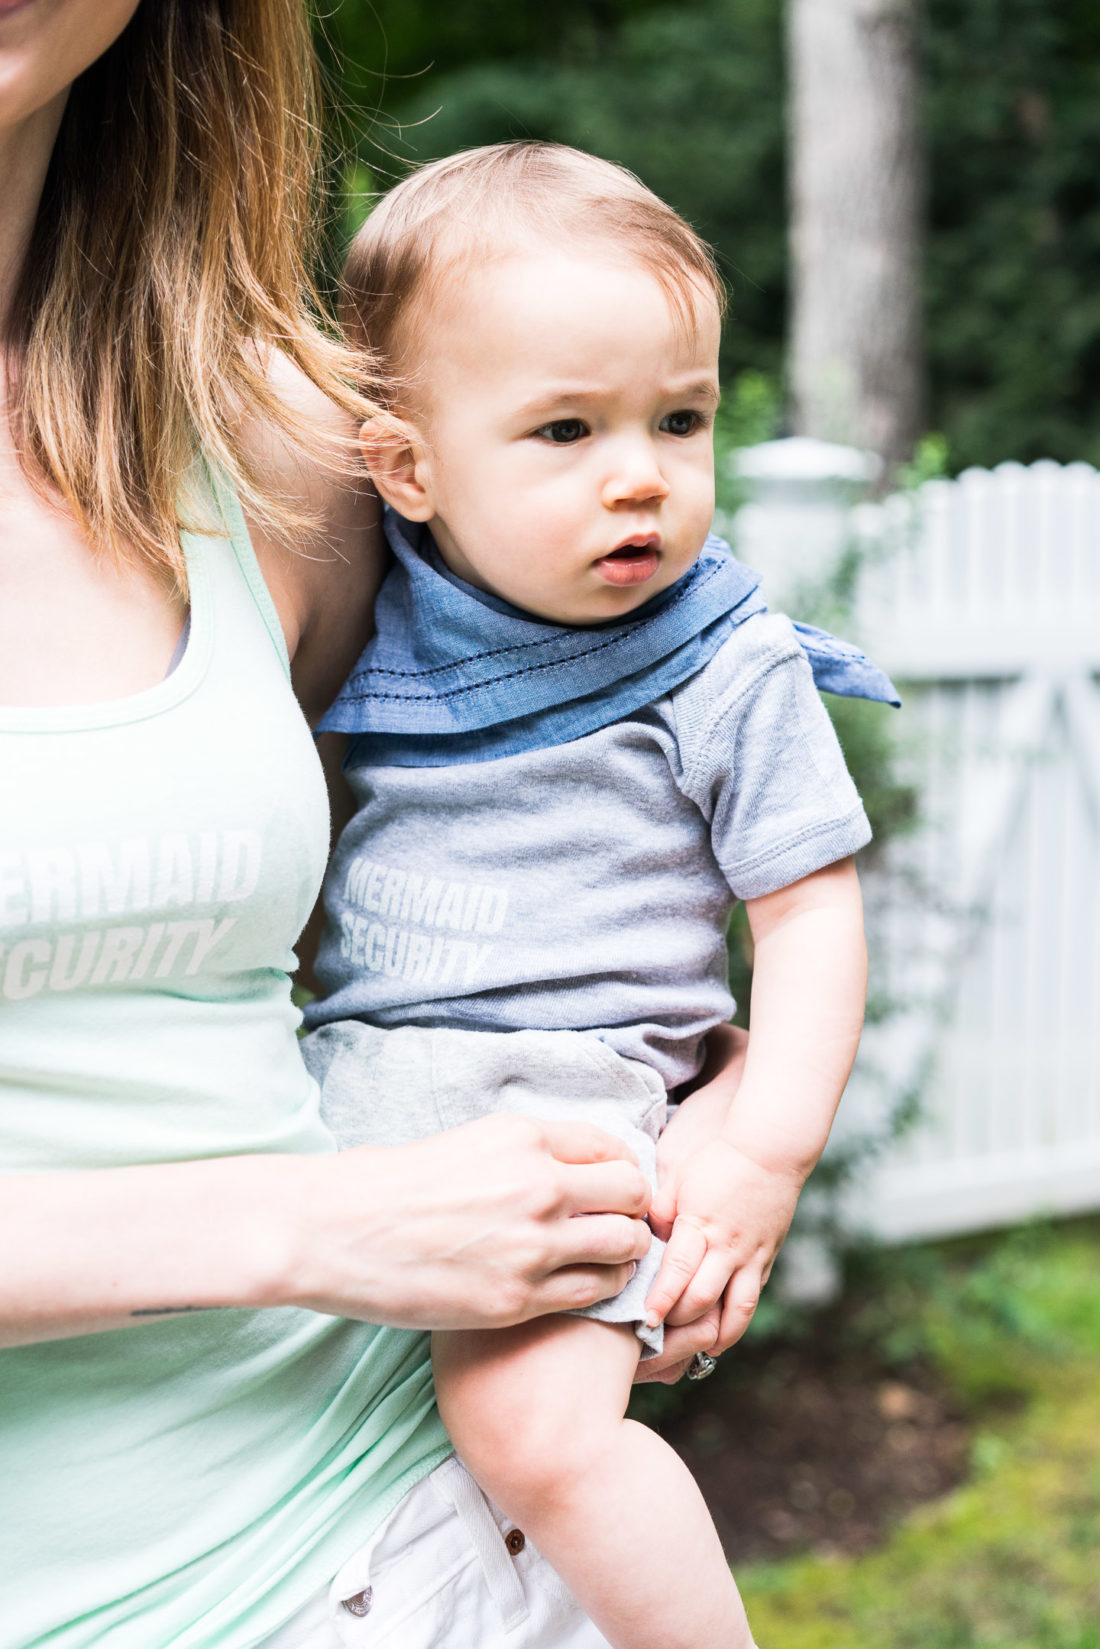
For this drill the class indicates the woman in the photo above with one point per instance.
(199, 1477)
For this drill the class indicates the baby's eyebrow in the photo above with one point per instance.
(704, 388)
(579, 395)
(552, 399)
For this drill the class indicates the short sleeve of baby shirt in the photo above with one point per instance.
(759, 757)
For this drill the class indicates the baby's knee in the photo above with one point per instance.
(524, 1455)
(524, 1475)
(534, 1411)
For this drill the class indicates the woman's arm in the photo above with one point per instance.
(323, 592)
(323, 588)
(473, 1228)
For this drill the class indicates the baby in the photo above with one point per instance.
(578, 736)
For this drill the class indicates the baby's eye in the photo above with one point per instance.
(563, 431)
(682, 423)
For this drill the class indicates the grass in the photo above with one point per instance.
(1012, 1559)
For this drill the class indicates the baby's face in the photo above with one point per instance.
(567, 412)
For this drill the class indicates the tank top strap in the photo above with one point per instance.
(213, 482)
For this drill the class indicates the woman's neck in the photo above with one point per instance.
(25, 149)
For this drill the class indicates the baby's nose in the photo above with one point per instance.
(636, 478)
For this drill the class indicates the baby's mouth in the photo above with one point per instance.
(631, 563)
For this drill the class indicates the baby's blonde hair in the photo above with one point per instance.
(452, 212)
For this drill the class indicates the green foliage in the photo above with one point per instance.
(930, 461)
(751, 411)
(1007, 1563)
(686, 95)
(690, 94)
(990, 1313)
(1009, 1560)
(1013, 308)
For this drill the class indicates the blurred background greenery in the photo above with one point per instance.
(690, 94)
(1009, 1328)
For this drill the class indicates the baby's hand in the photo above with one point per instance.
(724, 1218)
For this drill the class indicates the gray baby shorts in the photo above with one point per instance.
(391, 1087)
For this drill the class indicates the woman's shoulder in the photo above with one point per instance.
(323, 585)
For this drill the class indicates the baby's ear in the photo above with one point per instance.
(395, 455)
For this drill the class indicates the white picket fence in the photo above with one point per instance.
(981, 596)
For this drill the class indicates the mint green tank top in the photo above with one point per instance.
(188, 1483)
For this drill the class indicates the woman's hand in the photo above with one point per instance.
(480, 1227)
(473, 1228)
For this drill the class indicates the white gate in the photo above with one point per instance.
(982, 597)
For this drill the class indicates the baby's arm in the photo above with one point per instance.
(726, 1209)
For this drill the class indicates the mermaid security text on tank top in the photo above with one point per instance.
(197, 1478)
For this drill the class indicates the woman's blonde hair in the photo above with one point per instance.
(471, 205)
(171, 253)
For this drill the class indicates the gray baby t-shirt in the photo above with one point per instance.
(588, 886)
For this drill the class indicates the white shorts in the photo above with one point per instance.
(446, 1571)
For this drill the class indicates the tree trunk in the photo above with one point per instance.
(856, 211)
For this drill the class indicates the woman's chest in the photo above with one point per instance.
(171, 838)
(75, 628)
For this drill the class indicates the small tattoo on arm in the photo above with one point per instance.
(170, 1310)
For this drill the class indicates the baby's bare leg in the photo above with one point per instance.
(536, 1414)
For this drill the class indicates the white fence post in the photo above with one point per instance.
(795, 526)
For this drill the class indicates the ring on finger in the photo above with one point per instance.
(702, 1366)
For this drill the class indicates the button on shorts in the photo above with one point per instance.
(446, 1571)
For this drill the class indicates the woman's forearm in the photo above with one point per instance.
(112, 1248)
(473, 1228)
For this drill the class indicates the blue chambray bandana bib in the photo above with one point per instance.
(456, 675)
